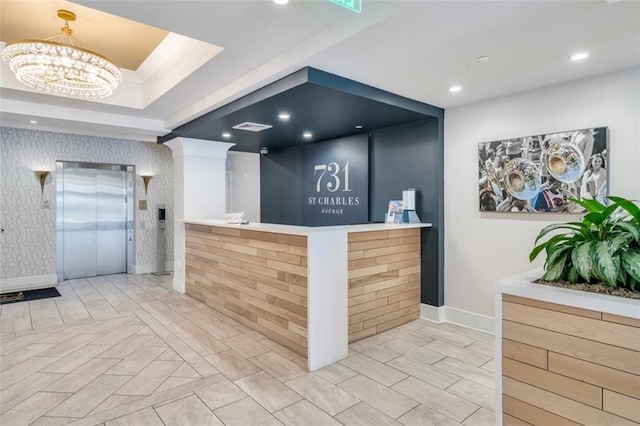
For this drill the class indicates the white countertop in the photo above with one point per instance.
(523, 285)
(306, 230)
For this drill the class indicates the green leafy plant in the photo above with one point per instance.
(604, 247)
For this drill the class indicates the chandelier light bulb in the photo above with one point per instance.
(60, 67)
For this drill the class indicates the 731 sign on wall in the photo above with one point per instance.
(333, 179)
(336, 182)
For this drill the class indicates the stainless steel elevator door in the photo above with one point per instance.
(79, 197)
(111, 220)
(94, 222)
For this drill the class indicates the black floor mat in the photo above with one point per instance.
(25, 296)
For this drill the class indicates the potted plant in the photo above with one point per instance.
(553, 340)
(601, 250)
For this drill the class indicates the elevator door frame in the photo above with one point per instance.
(129, 200)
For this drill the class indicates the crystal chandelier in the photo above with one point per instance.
(56, 65)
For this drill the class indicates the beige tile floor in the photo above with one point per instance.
(127, 350)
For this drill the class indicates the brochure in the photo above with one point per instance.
(394, 213)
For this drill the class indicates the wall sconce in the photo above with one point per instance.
(42, 178)
(146, 179)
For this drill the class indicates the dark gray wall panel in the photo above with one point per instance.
(402, 157)
(411, 156)
(283, 197)
(281, 187)
(340, 207)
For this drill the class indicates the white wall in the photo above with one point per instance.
(243, 170)
(481, 248)
(28, 244)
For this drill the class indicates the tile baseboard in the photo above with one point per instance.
(27, 283)
(150, 268)
(457, 316)
(432, 313)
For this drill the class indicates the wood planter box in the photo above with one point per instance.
(565, 357)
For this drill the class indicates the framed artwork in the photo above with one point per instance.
(540, 173)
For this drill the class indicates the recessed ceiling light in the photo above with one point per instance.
(358, 127)
(284, 116)
(307, 135)
(455, 88)
(483, 58)
(281, 1)
(33, 122)
(226, 135)
(580, 56)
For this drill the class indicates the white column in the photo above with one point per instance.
(327, 292)
(199, 191)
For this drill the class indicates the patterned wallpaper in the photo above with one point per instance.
(28, 243)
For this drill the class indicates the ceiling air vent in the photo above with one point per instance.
(252, 127)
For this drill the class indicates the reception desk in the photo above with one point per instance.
(311, 289)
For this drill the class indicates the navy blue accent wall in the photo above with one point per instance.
(411, 156)
(337, 195)
(284, 193)
(281, 187)
(402, 157)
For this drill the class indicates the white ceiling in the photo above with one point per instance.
(412, 48)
